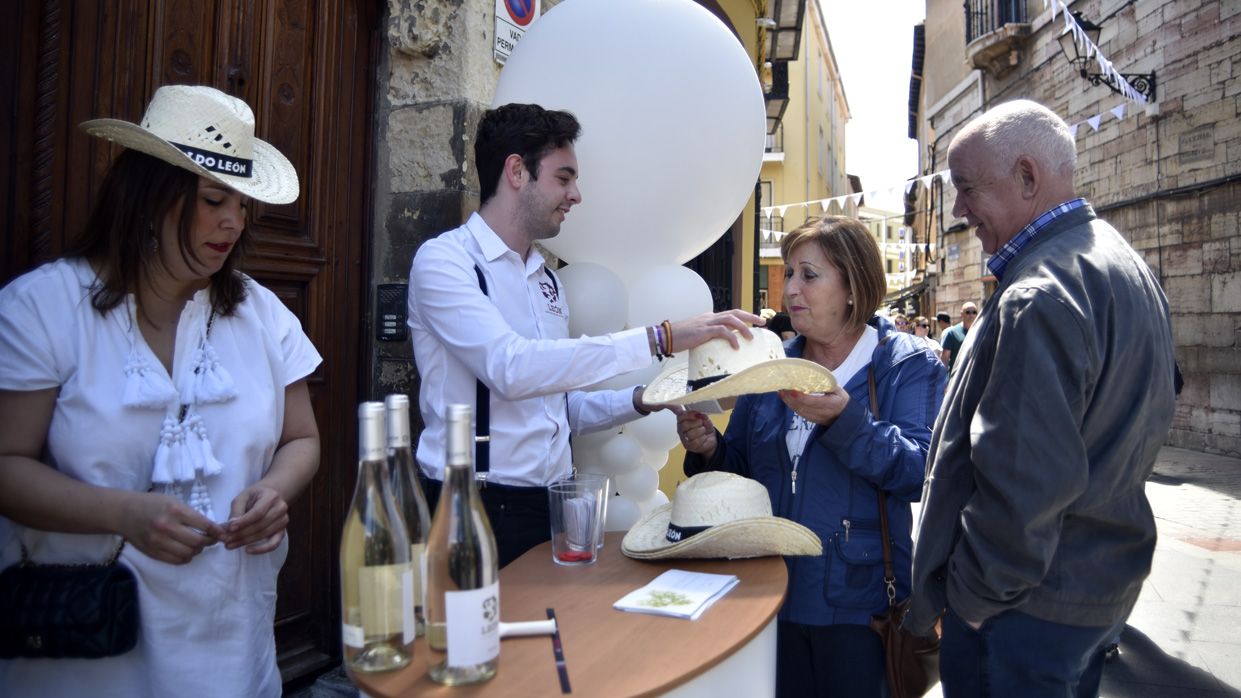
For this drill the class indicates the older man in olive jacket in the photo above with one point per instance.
(1036, 533)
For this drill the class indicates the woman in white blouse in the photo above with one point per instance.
(153, 394)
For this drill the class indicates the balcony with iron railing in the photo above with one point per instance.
(773, 149)
(995, 32)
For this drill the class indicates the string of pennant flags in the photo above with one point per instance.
(1094, 122)
(1092, 51)
(855, 198)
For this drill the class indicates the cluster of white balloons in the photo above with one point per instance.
(673, 127)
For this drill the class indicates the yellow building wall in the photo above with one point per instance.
(741, 14)
(816, 100)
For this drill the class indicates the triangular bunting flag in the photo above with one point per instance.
(1119, 111)
(1094, 121)
(1073, 129)
(783, 209)
(910, 185)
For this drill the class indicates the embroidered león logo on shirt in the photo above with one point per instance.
(549, 291)
(552, 294)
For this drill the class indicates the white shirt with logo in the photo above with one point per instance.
(516, 339)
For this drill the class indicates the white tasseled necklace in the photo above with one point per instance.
(184, 458)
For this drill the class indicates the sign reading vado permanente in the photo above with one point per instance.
(513, 18)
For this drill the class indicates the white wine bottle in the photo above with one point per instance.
(410, 502)
(376, 579)
(463, 576)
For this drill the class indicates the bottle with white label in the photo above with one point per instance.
(463, 576)
(376, 579)
(410, 502)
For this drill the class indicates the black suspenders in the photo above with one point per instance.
(482, 398)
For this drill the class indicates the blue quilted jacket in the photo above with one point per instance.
(838, 475)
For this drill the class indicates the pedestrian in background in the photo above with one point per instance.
(782, 325)
(1036, 534)
(942, 322)
(955, 336)
(900, 322)
(921, 328)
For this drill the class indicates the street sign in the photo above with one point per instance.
(513, 18)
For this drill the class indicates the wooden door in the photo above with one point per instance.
(305, 68)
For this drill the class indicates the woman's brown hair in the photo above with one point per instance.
(121, 237)
(849, 247)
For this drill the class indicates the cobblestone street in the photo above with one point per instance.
(1183, 639)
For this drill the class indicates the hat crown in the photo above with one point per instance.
(713, 498)
(716, 358)
(203, 118)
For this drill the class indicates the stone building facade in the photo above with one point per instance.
(1167, 174)
(435, 77)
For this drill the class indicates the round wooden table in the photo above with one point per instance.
(610, 652)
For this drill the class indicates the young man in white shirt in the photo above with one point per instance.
(490, 328)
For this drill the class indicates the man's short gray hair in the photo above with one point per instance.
(1023, 127)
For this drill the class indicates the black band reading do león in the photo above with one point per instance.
(676, 533)
(223, 164)
(700, 383)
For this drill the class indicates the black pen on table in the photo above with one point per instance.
(558, 651)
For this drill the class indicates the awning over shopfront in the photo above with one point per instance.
(899, 297)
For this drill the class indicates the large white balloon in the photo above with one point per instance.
(637, 484)
(586, 449)
(622, 514)
(673, 125)
(620, 454)
(667, 292)
(655, 460)
(656, 500)
(598, 303)
(655, 432)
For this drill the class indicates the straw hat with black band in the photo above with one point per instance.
(718, 515)
(716, 371)
(209, 133)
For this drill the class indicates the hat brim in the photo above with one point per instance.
(273, 179)
(670, 387)
(744, 538)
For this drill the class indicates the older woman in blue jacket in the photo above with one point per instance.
(824, 458)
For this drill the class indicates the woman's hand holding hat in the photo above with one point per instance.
(697, 433)
(819, 408)
(689, 333)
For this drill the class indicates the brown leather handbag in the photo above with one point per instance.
(912, 661)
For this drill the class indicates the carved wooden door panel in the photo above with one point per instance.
(304, 67)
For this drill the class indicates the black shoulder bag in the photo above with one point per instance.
(57, 611)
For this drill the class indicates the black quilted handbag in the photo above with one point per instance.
(80, 611)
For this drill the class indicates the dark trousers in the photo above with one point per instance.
(1015, 655)
(520, 516)
(828, 660)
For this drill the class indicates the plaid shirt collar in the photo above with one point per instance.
(999, 261)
